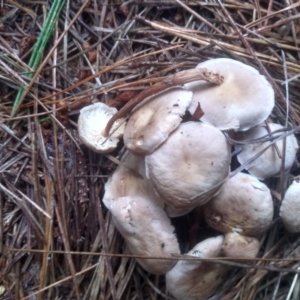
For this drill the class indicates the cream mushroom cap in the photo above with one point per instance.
(92, 121)
(129, 179)
(243, 205)
(239, 246)
(244, 100)
(155, 118)
(290, 208)
(269, 163)
(138, 214)
(147, 231)
(189, 167)
(194, 280)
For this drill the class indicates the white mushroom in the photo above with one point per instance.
(129, 179)
(269, 163)
(194, 280)
(189, 167)
(154, 119)
(238, 246)
(92, 121)
(290, 207)
(138, 214)
(147, 231)
(244, 100)
(243, 205)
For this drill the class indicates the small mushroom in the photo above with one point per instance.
(194, 280)
(269, 163)
(243, 205)
(147, 231)
(189, 167)
(154, 119)
(238, 246)
(244, 100)
(92, 121)
(290, 207)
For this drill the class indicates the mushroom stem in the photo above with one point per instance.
(170, 81)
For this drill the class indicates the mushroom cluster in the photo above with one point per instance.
(176, 162)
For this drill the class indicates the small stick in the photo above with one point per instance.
(170, 81)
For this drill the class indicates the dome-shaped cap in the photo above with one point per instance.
(147, 231)
(187, 169)
(239, 246)
(139, 216)
(243, 205)
(129, 179)
(242, 101)
(269, 163)
(194, 280)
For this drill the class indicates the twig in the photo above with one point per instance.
(170, 81)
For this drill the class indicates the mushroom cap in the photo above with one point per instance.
(243, 205)
(269, 163)
(189, 167)
(239, 246)
(124, 182)
(147, 231)
(153, 121)
(242, 101)
(290, 208)
(194, 280)
(92, 121)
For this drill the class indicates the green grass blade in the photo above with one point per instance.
(39, 47)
